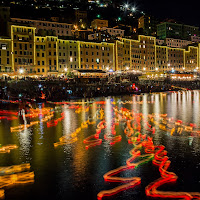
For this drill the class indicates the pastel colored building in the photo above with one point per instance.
(28, 54)
(56, 28)
(114, 31)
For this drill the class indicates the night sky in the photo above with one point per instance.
(187, 12)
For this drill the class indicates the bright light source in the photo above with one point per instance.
(75, 27)
(156, 69)
(65, 69)
(127, 68)
(133, 9)
(107, 68)
(144, 68)
(21, 71)
(119, 18)
(126, 5)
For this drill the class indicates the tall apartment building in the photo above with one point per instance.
(99, 23)
(6, 64)
(148, 24)
(42, 27)
(80, 18)
(97, 55)
(144, 55)
(50, 55)
(41, 62)
(136, 54)
(177, 31)
(175, 43)
(23, 51)
(113, 31)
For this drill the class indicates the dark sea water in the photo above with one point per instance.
(73, 172)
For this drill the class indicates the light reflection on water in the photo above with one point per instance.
(70, 171)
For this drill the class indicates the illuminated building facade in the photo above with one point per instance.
(144, 55)
(23, 49)
(97, 56)
(114, 31)
(41, 62)
(136, 54)
(99, 23)
(5, 55)
(175, 30)
(148, 24)
(36, 55)
(44, 27)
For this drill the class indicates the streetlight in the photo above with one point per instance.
(75, 27)
(127, 68)
(21, 71)
(65, 69)
(144, 68)
(133, 9)
(126, 6)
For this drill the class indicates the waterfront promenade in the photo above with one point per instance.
(55, 89)
(63, 89)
